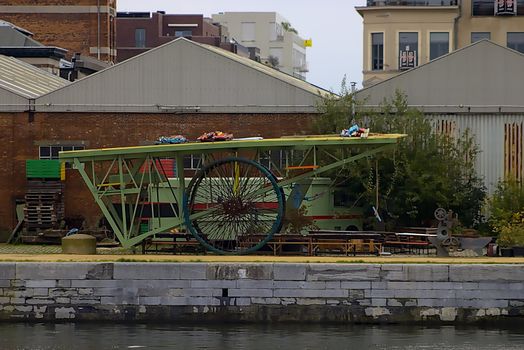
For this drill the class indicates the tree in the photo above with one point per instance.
(427, 170)
(273, 61)
(289, 28)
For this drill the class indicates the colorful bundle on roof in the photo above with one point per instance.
(215, 136)
(355, 131)
(170, 140)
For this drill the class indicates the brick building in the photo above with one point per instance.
(80, 26)
(138, 32)
(18, 42)
(180, 87)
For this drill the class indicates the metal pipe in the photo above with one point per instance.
(455, 26)
(98, 30)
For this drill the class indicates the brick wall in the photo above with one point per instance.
(261, 292)
(20, 138)
(76, 32)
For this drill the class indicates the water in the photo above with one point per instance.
(255, 336)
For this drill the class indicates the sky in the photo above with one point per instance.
(334, 26)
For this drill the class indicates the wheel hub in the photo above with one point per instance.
(235, 207)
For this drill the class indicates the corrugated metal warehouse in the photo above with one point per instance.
(180, 87)
(477, 88)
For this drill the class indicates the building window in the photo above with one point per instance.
(278, 160)
(192, 161)
(477, 36)
(276, 56)
(504, 7)
(140, 37)
(51, 152)
(516, 41)
(183, 33)
(248, 31)
(408, 50)
(377, 51)
(276, 32)
(438, 44)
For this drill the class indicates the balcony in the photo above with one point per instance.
(375, 3)
(302, 68)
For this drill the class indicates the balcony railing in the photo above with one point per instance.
(371, 3)
(303, 68)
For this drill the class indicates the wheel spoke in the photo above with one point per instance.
(239, 203)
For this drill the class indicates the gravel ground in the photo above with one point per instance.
(53, 253)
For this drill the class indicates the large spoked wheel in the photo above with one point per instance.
(234, 206)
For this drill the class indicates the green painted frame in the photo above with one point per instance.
(126, 173)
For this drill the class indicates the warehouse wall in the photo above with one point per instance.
(21, 135)
(499, 138)
(261, 292)
(72, 25)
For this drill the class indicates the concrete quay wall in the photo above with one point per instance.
(260, 292)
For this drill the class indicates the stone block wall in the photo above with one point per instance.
(260, 292)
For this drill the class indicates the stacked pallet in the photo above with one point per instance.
(44, 204)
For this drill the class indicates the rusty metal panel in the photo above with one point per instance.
(513, 151)
(499, 138)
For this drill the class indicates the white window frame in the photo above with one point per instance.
(59, 148)
(195, 161)
(429, 42)
(370, 48)
(246, 37)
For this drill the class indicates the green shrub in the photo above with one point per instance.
(426, 170)
(512, 233)
(506, 205)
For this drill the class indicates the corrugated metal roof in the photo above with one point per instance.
(26, 80)
(183, 76)
(479, 76)
(265, 69)
(9, 36)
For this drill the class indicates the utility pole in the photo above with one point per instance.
(353, 89)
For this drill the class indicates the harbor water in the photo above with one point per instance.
(101, 336)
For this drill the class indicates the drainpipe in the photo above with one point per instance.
(455, 25)
(98, 30)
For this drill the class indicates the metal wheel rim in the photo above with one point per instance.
(247, 205)
(440, 214)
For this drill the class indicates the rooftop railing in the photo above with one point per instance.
(412, 3)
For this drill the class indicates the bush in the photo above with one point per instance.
(296, 221)
(512, 233)
(506, 205)
(427, 170)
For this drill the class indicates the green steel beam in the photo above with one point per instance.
(99, 201)
(128, 234)
(205, 147)
(334, 165)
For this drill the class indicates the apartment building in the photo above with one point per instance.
(280, 44)
(403, 34)
(138, 32)
(79, 26)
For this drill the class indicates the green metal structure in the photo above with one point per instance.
(234, 203)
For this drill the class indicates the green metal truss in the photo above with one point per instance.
(122, 180)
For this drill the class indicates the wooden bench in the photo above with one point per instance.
(277, 246)
(347, 247)
(408, 245)
(175, 242)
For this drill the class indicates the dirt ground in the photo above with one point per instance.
(52, 253)
(257, 259)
